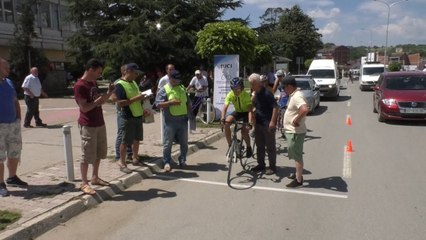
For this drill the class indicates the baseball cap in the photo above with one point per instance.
(289, 80)
(197, 72)
(279, 73)
(176, 75)
(133, 67)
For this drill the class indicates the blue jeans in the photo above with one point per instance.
(118, 140)
(175, 130)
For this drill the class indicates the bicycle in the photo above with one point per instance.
(203, 111)
(236, 151)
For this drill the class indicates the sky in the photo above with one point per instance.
(351, 22)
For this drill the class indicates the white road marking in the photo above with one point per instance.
(349, 103)
(256, 187)
(53, 109)
(347, 164)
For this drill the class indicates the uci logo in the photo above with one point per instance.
(229, 65)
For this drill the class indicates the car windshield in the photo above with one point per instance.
(303, 85)
(322, 73)
(373, 70)
(406, 83)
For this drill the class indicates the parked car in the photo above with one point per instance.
(400, 96)
(310, 90)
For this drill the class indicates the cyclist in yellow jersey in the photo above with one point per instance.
(241, 100)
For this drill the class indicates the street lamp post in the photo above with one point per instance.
(371, 38)
(387, 25)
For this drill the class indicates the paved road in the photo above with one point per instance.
(376, 192)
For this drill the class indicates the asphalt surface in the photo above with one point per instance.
(52, 197)
(373, 192)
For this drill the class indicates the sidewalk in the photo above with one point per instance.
(51, 200)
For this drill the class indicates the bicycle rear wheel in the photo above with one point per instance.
(203, 111)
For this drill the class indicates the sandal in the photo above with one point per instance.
(125, 169)
(87, 189)
(99, 182)
(136, 163)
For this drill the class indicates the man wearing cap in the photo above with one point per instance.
(295, 128)
(91, 123)
(173, 100)
(280, 76)
(200, 84)
(129, 100)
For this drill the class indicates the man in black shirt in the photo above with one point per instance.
(266, 117)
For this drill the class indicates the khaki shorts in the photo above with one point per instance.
(10, 141)
(93, 143)
(295, 145)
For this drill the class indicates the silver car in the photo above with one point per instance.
(310, 90)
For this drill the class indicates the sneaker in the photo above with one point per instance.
(182, 164)
(249, 152)
(270, 171)
(3, 190)
(295, 184)
(292, 176)
(41, 125)
(16, 182)
(258, 168)
(167, 167)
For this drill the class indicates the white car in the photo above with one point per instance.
(310, 90)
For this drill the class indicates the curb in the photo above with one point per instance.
(64, 212)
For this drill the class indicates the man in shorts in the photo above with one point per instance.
(295, 128)
(10, 131)
(241, 100)
(129, 99)
(91, 123)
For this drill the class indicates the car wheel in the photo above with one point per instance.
(380, 118)
(317, 106)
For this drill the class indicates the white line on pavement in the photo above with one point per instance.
(256, 187)
(53, 109)
(347, 164)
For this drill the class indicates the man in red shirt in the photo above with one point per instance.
(91, 123)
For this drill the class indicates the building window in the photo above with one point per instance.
(55, 16)
(45, 18)
(8, 11)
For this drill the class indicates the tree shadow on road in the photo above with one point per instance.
(140, 196)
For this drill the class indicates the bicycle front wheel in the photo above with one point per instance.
(231, 158)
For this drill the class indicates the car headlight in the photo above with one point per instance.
(332, 86)
(389, 101)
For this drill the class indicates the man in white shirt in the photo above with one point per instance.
(33, 91)
(200, 84)
(165, 79)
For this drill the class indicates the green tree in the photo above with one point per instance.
(150, 33)
(394, 67)
(22, 55)
(295, 35)
(262, 56)
(225, 38)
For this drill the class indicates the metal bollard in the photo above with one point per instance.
(161, 126)
(68, 152)
(209, 106)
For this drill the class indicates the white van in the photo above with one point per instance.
(369, 74)
(326, 76)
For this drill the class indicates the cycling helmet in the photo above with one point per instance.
(237, 82)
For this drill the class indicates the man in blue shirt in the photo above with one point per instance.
(266, 114)
(10, 131)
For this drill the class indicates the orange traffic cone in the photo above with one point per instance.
(348, 120)
(349, 146)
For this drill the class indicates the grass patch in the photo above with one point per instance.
(7, 218)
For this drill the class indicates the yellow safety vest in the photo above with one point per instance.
(132, 90)
(179, 93)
